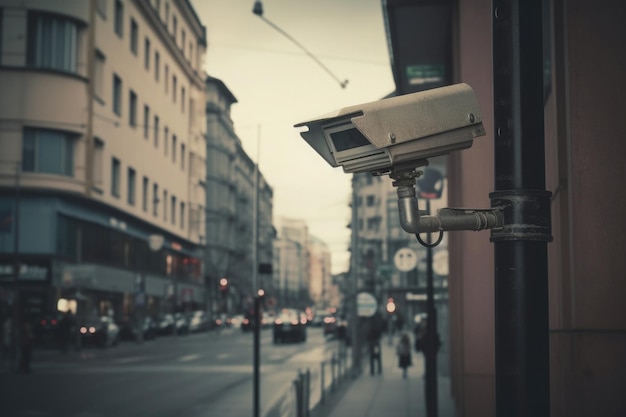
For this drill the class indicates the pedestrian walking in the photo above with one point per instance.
(373, 343)
(26, 346)
(403, 350)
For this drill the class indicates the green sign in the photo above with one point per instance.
(425, 74)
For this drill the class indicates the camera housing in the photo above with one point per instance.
(397, 133)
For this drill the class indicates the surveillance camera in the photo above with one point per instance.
(396, 133)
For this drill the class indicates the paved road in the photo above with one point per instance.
(193, 376)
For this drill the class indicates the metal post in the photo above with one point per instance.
(255, 286)
(16, 270)
(430, 353)
(520, 247)
(354, 278)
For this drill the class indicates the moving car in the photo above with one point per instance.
(99, 332)
(290, 324)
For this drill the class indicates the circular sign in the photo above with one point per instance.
(405, 259)
(440, 262)
(366, 304)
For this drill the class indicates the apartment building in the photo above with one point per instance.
(102, 155)
(321, 287)
(230, 208)
(380, 239)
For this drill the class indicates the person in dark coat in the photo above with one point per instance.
(26, 346)
(373, 344)
(65, 331)
(403, 350)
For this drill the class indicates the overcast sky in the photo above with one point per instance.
(278, 85)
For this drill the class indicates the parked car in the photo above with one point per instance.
(99, 332)
(165, 324)
(181, 324)
(198, 322)
(290, 324)
(128, 329)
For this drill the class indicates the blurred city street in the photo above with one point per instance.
(205, 374)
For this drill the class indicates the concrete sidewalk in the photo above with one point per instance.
(388, 394)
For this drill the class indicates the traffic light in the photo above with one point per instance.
(223, 286)
(391, 306)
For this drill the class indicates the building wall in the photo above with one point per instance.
(63, 123)
(584, 168)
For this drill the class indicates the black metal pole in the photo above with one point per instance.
(17, 296)
(430, 353)
(520, 247)
(257, 348)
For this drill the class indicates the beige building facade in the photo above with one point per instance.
(102, 131)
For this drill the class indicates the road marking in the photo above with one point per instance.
(188, 358)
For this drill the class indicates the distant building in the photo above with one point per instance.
(102, 134)
(291, 266)
(320, 277)
(230, 185)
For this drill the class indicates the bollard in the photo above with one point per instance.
(333, 364)
(307, 392)
(298, 384)
(323, 389)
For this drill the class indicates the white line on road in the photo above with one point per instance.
(188, 358)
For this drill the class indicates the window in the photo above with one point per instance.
(166, 145)
(156, 131)
(48, 151)
(174, 27)
(157, 6)
(146, 121)
(131, 186)
(167, 15)
(173, 210)
(119, 18)
(174, 148)
(165, 205)
(98, 160)
(167, 78)
(157, 63)
(370, 200)
(132, 108)
(183, 36)
(144, 194)
(99, 75)
(191, 53)
(52, 42)
(182, 156)
(192, 110)
(146, 54)
(117, 95)
(134, 36)
(115, 177)
(155, 199)
(174, 84)
(182, 99)
(182, 215)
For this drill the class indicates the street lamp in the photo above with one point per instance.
(258, 10)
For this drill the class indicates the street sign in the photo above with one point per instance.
(366, 304)
(405, 259)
